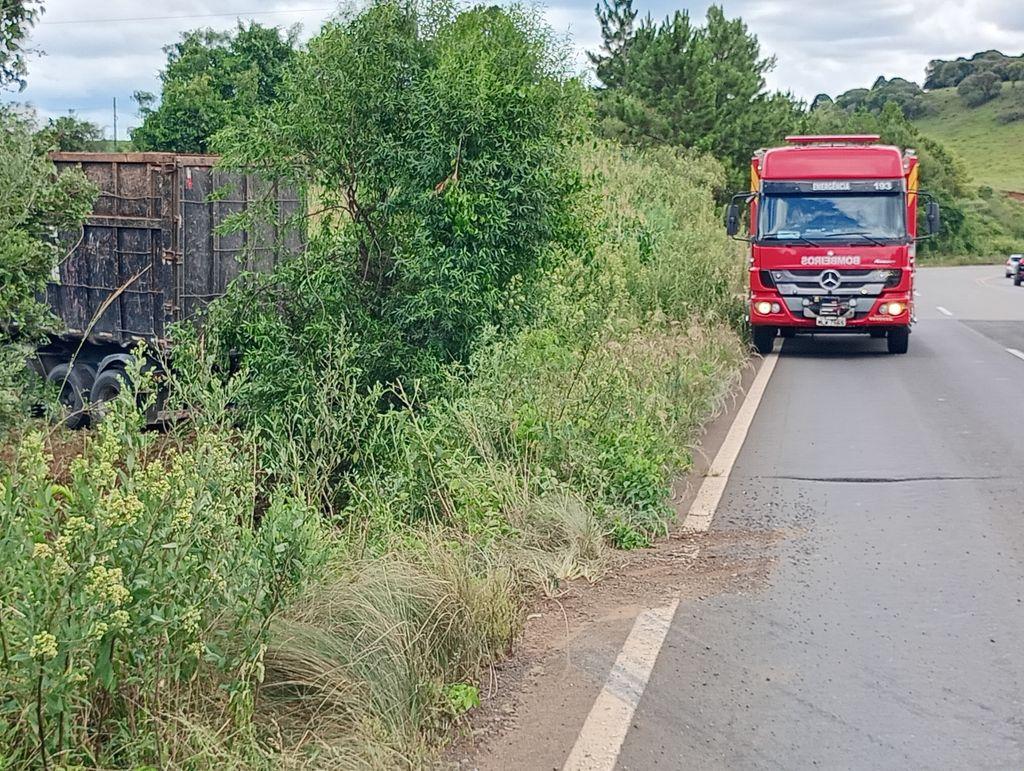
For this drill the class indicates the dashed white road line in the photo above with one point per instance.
(710, 493)
(943, 311)
(1015, 352)
(600, 740)
(598, 745)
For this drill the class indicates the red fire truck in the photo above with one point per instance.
(833, 237)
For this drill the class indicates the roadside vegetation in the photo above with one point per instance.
(515, 310)
(480, 377)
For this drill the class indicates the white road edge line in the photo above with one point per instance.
(1015, 352)
(598, 745)
(710, 493)
(942, 310)
(600, 740)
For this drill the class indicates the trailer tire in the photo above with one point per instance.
(764, 339)
(877, 334)
(898, 339)
(108, 385)
(74, 384)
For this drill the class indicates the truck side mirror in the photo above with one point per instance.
(732, 220)
(934, 218)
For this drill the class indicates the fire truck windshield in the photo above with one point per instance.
(832, 217)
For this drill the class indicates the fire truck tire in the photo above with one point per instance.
(898, 339)
(787, 332)
(764, 339)
(877, 334)
(74, 384)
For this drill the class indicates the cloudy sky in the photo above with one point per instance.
(92, 52)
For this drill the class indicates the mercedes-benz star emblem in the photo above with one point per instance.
(830, 280)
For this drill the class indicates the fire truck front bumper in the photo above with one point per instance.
(825, 313)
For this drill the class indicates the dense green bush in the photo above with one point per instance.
(599, 400)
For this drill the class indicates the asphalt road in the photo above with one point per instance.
(890, 633)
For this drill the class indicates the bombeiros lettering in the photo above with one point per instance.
(830, 259)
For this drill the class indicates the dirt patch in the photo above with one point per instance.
(570, 641)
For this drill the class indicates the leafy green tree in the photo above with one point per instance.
(35, 205)
(70, 134)
(438, 148)
(16, 19)
(211, 79)
(979, 88)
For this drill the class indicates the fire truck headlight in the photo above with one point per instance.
(895, 309)
(776, 307)
(764, 308)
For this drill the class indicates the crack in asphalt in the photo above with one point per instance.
(890, 480)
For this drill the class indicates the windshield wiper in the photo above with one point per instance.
(863, 235)
(775, 237)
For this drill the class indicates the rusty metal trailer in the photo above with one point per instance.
(149, 256)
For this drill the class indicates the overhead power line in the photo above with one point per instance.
(47, 22)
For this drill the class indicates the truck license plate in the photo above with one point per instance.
(825, 321)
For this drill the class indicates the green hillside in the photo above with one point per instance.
(992, 151)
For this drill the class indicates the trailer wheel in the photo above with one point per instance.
(74, 384)
(764, 339)
(898, 339)
(106, 388)
(877, 334)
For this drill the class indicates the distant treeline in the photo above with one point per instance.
(978, 79)
(907, 94)
(947, 74)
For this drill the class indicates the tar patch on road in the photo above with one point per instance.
(889, 480)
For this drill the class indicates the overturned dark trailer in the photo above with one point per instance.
(147, 257)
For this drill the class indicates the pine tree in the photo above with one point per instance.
(616, 18)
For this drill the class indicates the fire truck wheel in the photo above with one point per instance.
(764, 339)
(898, 340)
(877, 334)
(74, 385)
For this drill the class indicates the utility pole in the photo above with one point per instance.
(115, 124)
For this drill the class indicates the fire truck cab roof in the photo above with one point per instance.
(832, 157)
